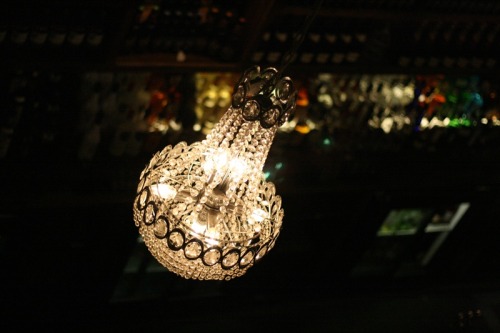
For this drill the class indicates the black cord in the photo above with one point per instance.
(298, 38)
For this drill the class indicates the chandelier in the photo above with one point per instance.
(205, 210)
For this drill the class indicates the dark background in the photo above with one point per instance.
(69, 251)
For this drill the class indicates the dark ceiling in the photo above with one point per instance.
(70, 255)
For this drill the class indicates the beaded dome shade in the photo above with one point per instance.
(205, 210)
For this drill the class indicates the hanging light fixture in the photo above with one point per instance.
(205, 210)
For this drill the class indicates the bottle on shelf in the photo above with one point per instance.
(359, 39)
(259, 54)
(96, 34)
(90, 141)
(325, 50)
(310, 48)
(58, 30)
(77, 31)
(338, 56)
(277, 49)
(39, 30)
(19, 33)
(3, 30)
(10, 123)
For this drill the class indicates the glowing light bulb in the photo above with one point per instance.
(238, 168)
(163, 191)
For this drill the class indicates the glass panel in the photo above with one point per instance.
(405, 221)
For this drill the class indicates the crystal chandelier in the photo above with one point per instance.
(205, 210)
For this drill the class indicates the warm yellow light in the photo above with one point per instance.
(215, 160)
(163, 191)
(205, 210)
(259, 215)
(238, 167)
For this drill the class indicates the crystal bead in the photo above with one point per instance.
(192, 250)
(176, 239)
(160, 228)
(211, 257)
(230, 259)
(251, 109)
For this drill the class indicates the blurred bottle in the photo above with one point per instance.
(91, 140)
(431, 42)
(377, 48)
(310, 48)
(259, 55)
(39, 31)
(96, 27)
(13, 99)
(325, 50)
(492, 40)
(231, 48)
(403, 52)
(58, 30)
(343, 45)
(10, 122)
(3, 29)
(77, 31)
(20, 27)
(457, 47)
(144, 27)
(199, 30)
(360, 31)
